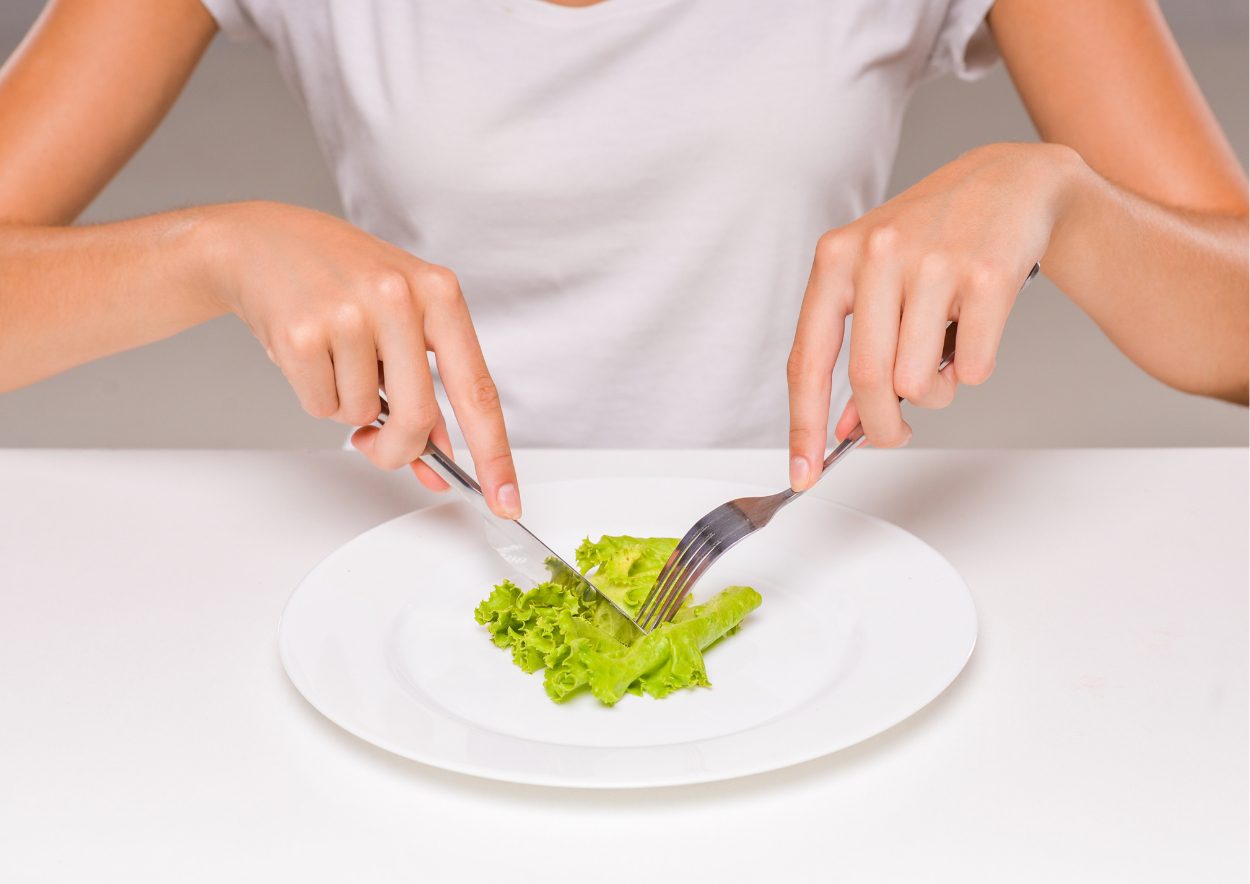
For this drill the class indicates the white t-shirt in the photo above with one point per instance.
(630, 193)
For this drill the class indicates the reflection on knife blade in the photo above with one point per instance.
(515, 543)
(532, 558)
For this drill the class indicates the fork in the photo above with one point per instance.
(713, 535)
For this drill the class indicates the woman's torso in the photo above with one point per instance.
(630, 192)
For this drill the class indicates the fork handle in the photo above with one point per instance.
(855, 438)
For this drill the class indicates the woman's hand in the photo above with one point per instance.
(956, 246)
(339, 311)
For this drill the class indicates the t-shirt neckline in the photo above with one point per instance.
(554, 13)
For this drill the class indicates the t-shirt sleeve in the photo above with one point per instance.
(234, 18)
(964, 45)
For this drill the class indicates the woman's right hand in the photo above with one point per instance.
(338, 310)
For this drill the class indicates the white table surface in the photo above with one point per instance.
(148, 733)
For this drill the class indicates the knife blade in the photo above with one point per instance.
(515, 544)
(528, 556)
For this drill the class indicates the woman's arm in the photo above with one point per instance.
(78, 97)
(69, 295)
(333, 307)
(81, 94)
(1136, 207)
(1153, 243)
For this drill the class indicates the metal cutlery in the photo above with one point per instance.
(728, 524)
(517, 545)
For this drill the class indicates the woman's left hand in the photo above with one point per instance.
(956, 246)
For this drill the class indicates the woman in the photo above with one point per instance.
(628, 194)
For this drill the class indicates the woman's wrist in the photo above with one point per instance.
(1071, 182)
(200, 241)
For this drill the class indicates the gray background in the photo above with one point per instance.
(238, 134)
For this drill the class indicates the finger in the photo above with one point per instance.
(471, 390)
(421, 469)
(305, 362)
(923, 331)
(356, 376)
(365, 439)
(849, 419)
(809, 370)
(409, 387)
(847, 422)
(874, 342)
(983, 312)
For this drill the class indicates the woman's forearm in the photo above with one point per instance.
(72, 294)
(334, 307)
(1168, 286)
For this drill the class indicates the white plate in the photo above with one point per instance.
(862, 624)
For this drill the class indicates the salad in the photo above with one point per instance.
(586, 644)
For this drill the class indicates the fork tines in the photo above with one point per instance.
(703, 544)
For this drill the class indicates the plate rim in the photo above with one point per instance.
(564, 781)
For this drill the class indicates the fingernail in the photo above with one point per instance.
(798, 472)
(508, 500)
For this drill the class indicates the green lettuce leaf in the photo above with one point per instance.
(625, 568)
(586, 644)
(671, 656)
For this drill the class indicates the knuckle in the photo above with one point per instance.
(398, 453)
(404, 437)
(935, 266)
(833, 247)
(349, 314)
(360, 414)
(800, 436)
(300, 340)
(484, 394)
(349, 318)
(893, 438)
(985, 277)
(883, 241)
(495, 460)
(439, 283)
(414, 425)
(319, 407)
(911, 384)
(797, 366)
(385, 459)
(391, 289)
(866, 373)
(424, 418)
(973, 370)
